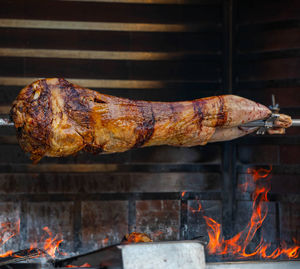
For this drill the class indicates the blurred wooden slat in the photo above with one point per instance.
(99, 26)
(110, 12)
(257, 11)
(273, 40)
(96, 168)
(95, 55)
(93, 83)
(108, 182)
(177, 71)
(99, 83)
(4, 109)
(272, 69)
(207, 42)
(8, 140)
(210, 154)
(170, 2)
(63, 168)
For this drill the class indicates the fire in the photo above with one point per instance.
(51, 243)
(76, 266)
(105, 241)
(137, 238)
(48, 244)
(196, 210)
(191, 209)
(237, 245)
(8, 230)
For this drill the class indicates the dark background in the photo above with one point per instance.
(205, 47)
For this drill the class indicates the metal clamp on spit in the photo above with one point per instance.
(270, 122)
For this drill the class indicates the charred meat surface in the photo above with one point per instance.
(56, 118)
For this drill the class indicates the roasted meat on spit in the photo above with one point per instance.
(56, 118)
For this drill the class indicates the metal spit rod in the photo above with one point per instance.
(5, 121)
(262, 123)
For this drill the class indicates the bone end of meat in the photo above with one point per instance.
(43, 126)
(283, 121)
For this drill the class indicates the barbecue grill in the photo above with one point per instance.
(157, 50)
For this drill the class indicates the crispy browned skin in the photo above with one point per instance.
(56, 118)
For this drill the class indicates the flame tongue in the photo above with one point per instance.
(49, 244)
(8, 231)
(238, 244)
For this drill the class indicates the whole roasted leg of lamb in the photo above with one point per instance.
(56, 118)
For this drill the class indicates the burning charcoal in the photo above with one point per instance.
(21, 255)
(76, 266)
(137, 238)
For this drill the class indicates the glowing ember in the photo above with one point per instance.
(238, 244)
(194, 210)
(84, 265)
(137, 238)
(191, 209)
(157, 234)
(104, 241)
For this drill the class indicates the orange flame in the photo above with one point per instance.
(192, 209)
(137, 238)
(105, 241)
(50, 244)
(238, 244)
(84, 265)
(8, 230)
(6, 254)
